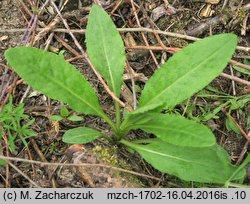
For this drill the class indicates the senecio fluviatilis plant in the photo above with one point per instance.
(181, 147)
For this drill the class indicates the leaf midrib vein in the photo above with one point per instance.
(106, 56)
(173, 157)
(88, 134)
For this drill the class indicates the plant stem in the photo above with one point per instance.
(118, 120)
(109, 121)
(107, 138)
(127, 143)
(236, 185)
(244, 163)
(118, 115)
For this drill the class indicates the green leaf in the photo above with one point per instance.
(175, 130)
(29, 133)
(23, 140)
(81, 135)
(208, 165)
(237, 104)
(130, 118)
(1, 133)
(231, 126)
(248, 121)
(19, 110)
(187, 72)
(9, 107)
(75, 118)
(247, 62)
(213, 114)
(11, 141)
(64, 112)
(240, 168)
(3, 162)
(242, 70)
(138, 89)
(210, 88)
(56, 118)
(51, 75)
(105, 48)
(29, 123)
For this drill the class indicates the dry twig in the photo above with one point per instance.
(24, 175)
(77, 165)
(237, 124)
(122, 30)
(143, 35)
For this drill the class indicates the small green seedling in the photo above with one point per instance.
(181, 147)
(236, 104)
(242, 70)
(11, 123)
(233, 102)
(64, 114)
